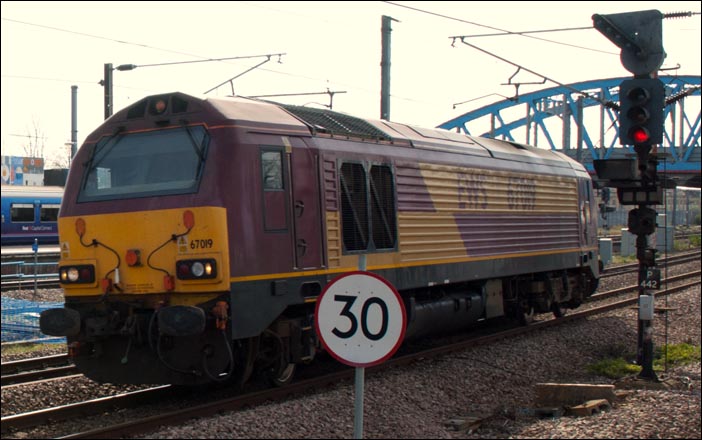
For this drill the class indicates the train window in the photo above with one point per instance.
(272, 170)
(22, 213)
(160, 162)
(49, 213)
(382, 207)
(354, 206)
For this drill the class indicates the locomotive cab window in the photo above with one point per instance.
(159, 162)
(272, 170)
(368, 215)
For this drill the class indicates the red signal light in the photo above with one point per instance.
(642, 116)
(639, 135)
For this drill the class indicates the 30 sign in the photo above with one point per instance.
(360, 319)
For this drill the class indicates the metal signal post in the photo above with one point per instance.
(642, 222)
(641, 118)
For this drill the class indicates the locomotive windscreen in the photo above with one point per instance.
(159, 162)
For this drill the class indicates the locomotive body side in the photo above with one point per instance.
(502, 228)
(197, 234)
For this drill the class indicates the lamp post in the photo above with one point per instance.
(107, 83)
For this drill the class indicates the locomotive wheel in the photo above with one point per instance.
(273, 359)
(249, 350)
(281, 376)
(526, 315)
(558, 310)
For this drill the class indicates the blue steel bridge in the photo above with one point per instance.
(581, 120)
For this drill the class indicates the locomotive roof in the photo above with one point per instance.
(260, 115)
(336, 124)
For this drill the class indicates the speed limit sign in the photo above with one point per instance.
(360, 319)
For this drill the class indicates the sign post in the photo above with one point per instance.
(360, 319)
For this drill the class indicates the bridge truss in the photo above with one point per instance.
(581, 120)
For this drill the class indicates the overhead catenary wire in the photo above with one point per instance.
(608, 104)
(505, 32)
(147, 46)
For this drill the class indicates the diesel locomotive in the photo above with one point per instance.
(196, 234)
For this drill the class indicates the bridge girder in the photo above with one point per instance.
(554, 112)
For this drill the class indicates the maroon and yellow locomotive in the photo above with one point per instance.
(196, 234)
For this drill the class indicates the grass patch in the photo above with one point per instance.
(615, 368)
(20, 348)
(679, 354)
(618, 259)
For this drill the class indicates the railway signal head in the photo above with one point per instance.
(639, 35)
(641, 102)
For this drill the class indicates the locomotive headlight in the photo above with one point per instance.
(73, 274)
(81, 274)
(198, 269)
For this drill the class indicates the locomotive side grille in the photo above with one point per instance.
(334, 123)
(354, 206)
(382, 207)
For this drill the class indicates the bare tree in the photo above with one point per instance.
(59, 159)
(36, 140)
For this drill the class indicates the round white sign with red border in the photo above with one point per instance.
(360, 319)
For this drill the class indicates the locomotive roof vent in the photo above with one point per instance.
(334, 123)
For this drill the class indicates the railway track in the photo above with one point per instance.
(29, 370)
(680, 235)
(662, 262)
(67, 412)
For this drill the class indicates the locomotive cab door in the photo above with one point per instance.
(307, 220)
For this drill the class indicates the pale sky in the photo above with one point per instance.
(49, 46)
